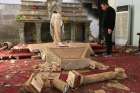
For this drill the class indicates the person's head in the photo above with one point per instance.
(54, 11)
(104, 6)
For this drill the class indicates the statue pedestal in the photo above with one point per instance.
(69, 57)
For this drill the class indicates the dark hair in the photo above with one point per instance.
(54, 11)
(104, 2)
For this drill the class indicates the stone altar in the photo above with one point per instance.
(69, 56)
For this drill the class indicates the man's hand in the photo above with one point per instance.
(109, 31)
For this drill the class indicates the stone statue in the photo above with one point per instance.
(56, 25)
(53, 5)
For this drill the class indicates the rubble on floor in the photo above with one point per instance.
(76, 79)
(14, 74)
(99, 91)
(117, 85)
(69, 58)
(6, 46)
(53, 61)
(14, 64)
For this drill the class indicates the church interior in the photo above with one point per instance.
(69, 46)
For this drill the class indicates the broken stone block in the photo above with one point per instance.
(68, 57)
(94, 64)
(47, 83)
(119, 73)
(60, 85)
(73, 56)
(99, 91)
(34, 84)
(75, 78)
(117, 85)
(75, 64)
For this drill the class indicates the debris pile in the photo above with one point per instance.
(69, 60)
(75, 79)
(10, 51)
(6, 46)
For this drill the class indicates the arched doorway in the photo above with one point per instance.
(45, 32)
(30, 32)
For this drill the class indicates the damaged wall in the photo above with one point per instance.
(92, 13)
(8, 27)
(8, 24)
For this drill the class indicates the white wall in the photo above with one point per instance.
(123, 2)
(136, 21)
(112, 3)
(10, 1)
(136, 17)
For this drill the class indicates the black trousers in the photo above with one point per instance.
(108, 41)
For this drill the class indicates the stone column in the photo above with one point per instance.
(38, 32)
(87, 29)
(73, 30)
(21, 32)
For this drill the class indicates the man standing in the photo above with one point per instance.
(108, 25)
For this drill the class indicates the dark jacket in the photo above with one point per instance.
(109, 18)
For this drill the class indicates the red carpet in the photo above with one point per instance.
(12, 75)
(130, 63)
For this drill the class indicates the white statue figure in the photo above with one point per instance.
(53, 5)
(56, 27)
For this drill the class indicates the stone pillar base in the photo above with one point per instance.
(38, 32)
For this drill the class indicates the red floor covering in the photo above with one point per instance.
(12, 75)
(130, 63)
